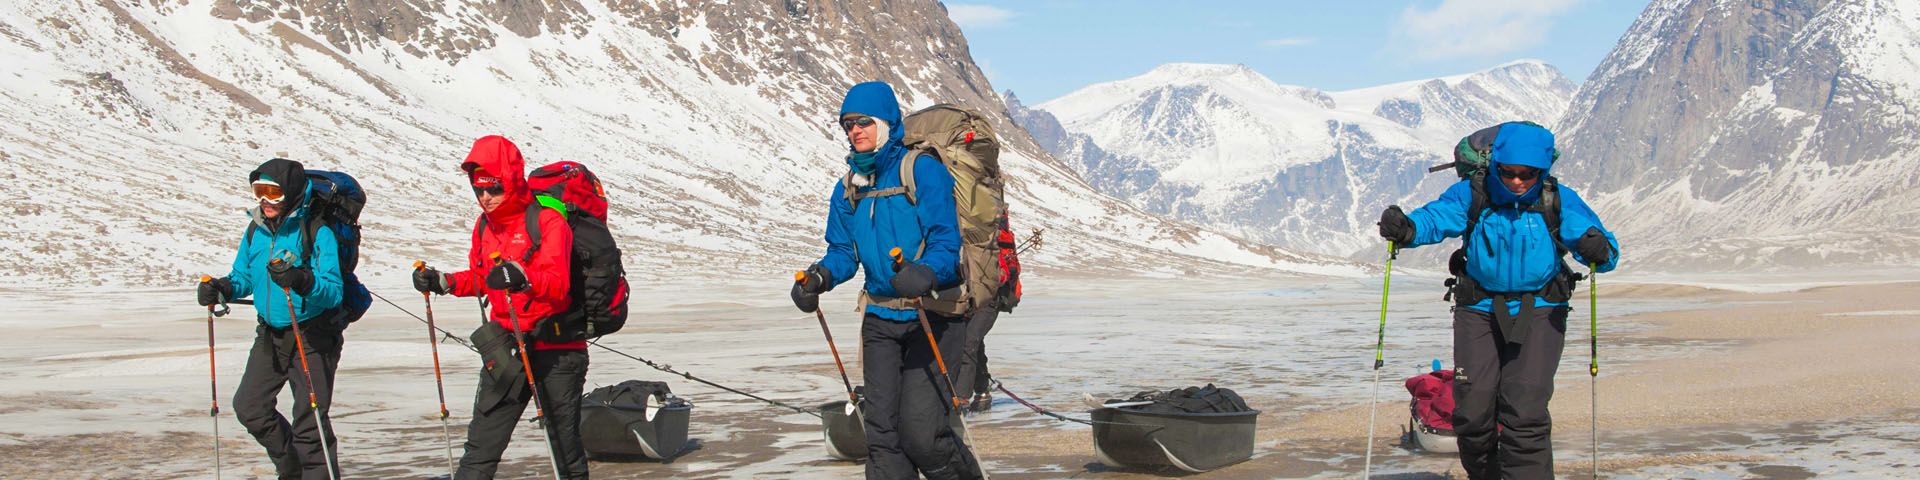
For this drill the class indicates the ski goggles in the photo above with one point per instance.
(1522, 174)
(269, 192)
(488, 185)
(862, 121)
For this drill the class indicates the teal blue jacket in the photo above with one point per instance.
(262, 243)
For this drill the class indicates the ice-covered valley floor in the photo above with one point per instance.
(114, 385)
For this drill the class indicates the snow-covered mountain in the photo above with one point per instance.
(1223, 146)
(126, 129)
(1756, 134)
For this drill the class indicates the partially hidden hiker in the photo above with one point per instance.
(533, 281)
(313, 283)
(1510, 294)
(906, 410)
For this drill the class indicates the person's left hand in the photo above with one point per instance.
(295, 279)
(508, 276)
(912, 280)
(1593, 247)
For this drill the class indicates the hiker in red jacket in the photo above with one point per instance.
(535, 279)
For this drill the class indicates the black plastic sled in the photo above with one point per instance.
(846, 431)
(1194, 442)
(634, 420)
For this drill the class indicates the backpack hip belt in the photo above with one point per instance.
(946, 302)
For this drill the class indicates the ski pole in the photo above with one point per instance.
(953, 393)
(519, 340)
(851, 399)
(313, 402)
(1593, 361)
(213, 385)
(433, 342)
(1379, 348)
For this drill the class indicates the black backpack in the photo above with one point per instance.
(1208, 399)
(633, 394)
(335, 201)
(598, 281)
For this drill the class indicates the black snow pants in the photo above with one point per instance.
(561, 374)
(294, 447)
(907, 403)
(973, 378)
(1501, 388)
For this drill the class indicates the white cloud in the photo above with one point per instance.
(978, 16)
(1288, 42)
(1475, 28)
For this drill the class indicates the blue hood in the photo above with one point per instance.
(875, 99)
(1524, 145)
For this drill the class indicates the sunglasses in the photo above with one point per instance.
(1522, 174)
(269, 193)
(495, 190)
(850, 123)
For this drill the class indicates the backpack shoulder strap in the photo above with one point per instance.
(906, 175)
(309, 227)
(1479, 205)
(533, 222)
(1549, 209)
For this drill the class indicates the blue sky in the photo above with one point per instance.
(1042, 49)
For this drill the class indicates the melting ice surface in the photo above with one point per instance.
(137, 363)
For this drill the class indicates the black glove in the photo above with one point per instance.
(218, 290)
(1593, 247)
(912, 280)
(817, 281)
(1395, 226)
(508, 276)
(428, 280)
(808, 302)
(296, 279)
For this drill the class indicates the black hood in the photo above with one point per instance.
(291, 176)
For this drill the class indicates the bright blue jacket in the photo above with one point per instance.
(1511, 250)
(859, 236)
(261, 244)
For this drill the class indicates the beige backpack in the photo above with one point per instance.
(964, 141)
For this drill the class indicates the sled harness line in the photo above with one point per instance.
(689, 376)
(1043, 411)
(443, 332)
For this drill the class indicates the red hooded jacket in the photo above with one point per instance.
(504, 230)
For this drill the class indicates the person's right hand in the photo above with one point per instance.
(817, 279)
(808, 302)
(1395, 226)
(428, 280)
(217, 290)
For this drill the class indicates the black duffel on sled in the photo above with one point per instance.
(1195, 429)
(633, 420)
(846, 430)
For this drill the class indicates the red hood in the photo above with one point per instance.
(501, 157)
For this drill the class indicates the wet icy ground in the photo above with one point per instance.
(123, 370)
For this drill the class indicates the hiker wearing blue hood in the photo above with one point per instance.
(314, 284)
(905, 411)
(1510, 290)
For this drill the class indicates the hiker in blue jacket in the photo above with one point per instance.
(905, 409)
(314, 284)
(1510, 313)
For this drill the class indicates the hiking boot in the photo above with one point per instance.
(981, 402)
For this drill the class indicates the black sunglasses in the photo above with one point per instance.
(1522, 175)
(496, 190)
(849, 123)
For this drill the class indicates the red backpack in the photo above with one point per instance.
(599, 281)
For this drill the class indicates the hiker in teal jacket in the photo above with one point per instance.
(313, 283)
(905, 410)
